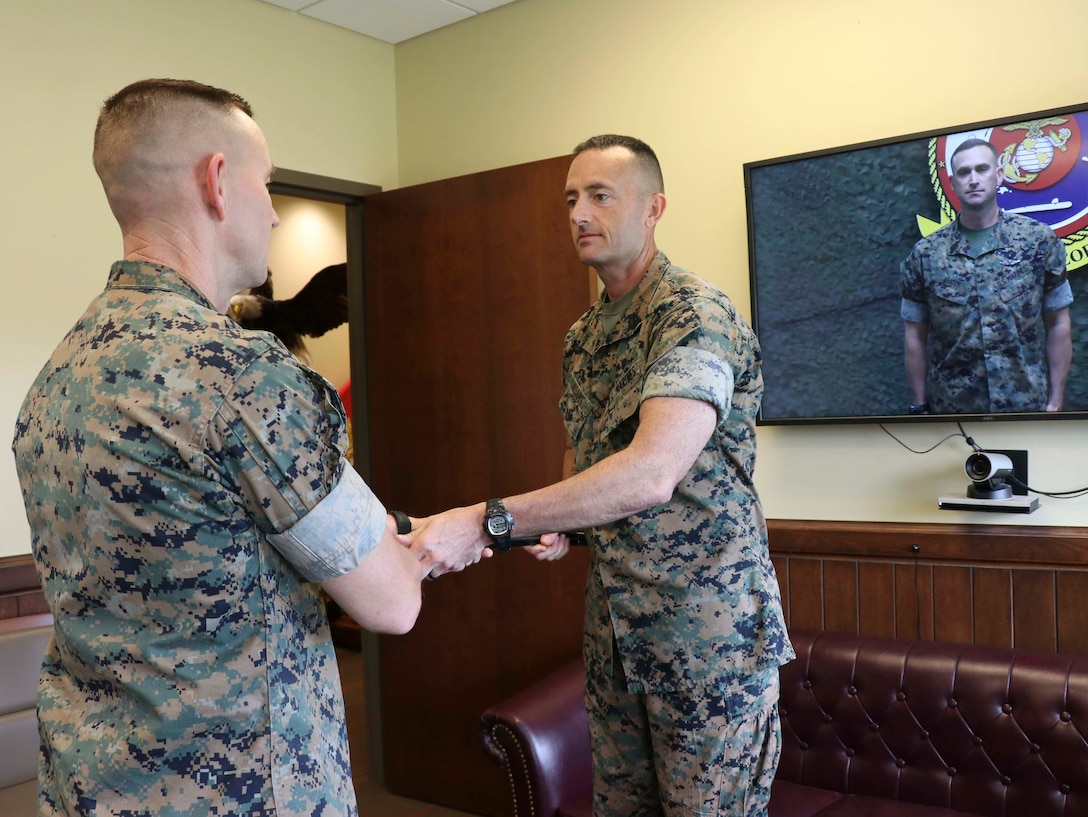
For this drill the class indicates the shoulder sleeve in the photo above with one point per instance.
(912, 285)
(700, 350)
(1054, 263)
(279, 438)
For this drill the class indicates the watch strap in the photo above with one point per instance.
(404, 524)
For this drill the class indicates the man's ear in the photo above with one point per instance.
(657, 208)
(214, 185)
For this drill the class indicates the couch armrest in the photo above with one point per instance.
(541, 737)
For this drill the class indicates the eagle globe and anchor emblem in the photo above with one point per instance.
(1045, 168)
(1024, 161)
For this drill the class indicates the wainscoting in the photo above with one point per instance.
(20, 593)
(986, 584)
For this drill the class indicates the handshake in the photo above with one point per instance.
(453, 540)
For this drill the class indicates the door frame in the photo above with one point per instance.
(351, 195)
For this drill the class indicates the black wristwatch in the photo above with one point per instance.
(498, 523)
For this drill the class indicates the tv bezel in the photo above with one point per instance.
(931, 133)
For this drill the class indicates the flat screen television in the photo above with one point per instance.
(828, 230)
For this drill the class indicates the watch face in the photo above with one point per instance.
(496, 526)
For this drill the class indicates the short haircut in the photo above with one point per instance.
(136, 107)
(645, 155)
(967, 144)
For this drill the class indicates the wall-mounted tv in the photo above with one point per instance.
(827, 234)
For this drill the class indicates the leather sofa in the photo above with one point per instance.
(871, 727)
(22, 645)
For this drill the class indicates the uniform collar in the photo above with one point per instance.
(149, 277)
(961, 246)
(644, 293)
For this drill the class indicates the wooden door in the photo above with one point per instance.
(471, 285)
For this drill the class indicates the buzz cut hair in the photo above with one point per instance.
(137, 105)
(967, 144)
(642, 152)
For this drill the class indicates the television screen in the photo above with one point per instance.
(829, 232)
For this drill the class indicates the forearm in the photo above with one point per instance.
(1059, 357)
(915, 354)
(608, 491)
(618, 486)
(383, 593)
(672, 432)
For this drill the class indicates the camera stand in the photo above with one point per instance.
(1014, 504)
(994, 494)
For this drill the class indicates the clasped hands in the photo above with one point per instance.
(450, 541)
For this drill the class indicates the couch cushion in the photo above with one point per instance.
(794, 800)
(583, 808)
(19, 801)
(19, 739)
(856, 805)
(981, 730)
(22, 645)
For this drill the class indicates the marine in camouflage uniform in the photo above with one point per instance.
(682, 602)
(985, 305)
(162, 452)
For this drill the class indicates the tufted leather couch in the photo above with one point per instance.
(22, 644)
(871, 727)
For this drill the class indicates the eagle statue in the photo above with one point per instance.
(320, 306)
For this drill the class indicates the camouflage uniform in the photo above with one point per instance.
(987, 340)
(159, 452)
(682, 600)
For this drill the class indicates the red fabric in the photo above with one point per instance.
(345, 397)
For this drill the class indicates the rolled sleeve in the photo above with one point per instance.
(1058, 298)
(913, 311)
(693, 373)
(337, 534)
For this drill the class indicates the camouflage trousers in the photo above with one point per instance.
(676, 754)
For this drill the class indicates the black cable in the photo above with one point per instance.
(1076, 492)
(931, 448)
(974, 446)
(1073, 494)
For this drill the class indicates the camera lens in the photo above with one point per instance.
(978, 466)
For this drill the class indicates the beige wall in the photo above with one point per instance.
(712, 84)
(311, 236)
(324, 96)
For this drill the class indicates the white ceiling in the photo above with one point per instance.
(390, 20)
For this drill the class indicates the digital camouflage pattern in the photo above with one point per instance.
(682, 602)
(646, 764)
(191, 671)
(686, 587)
(987, 341)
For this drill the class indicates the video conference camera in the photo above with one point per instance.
(988, 473)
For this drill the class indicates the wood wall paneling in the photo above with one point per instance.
(471, 285)
(996, 585)
(1034, 609)
(841, 591)
(20, 593)
(876, 598)
(1072, 611)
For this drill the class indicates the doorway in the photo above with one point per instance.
(311, 236)
(295, 189)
